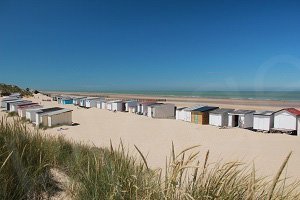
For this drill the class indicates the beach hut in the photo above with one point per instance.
(15, 95)
(59, 99)
(8, 103)
(186, 113)
(117, 105)
(54, 97)
(130, 104)
(160, 110)
(179, 115)
(92, 102)
(201, 115)
(22, 109)
(132, 109)
(103, 104)
(142, 107)
(67, 100)
(6, 99)
(14, 106)
(76, 101)
(241, 118)
(52, 118)
(39, 113)
(99, 103)
(263, 120)
(286, 121)
(30, 114)
(219, 117)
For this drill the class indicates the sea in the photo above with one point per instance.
(256, 95)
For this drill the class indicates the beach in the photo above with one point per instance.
(180, 101)
(154, 137)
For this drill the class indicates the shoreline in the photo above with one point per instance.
(187, 101)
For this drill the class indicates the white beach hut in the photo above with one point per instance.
(92, 101)
(31, 114)
(54, 118)
(99, 104)
(263, 120)
(219, 117)
(180, 113)
(161, 110)
(132, 109)
(5, 99)
(6, 104)
(241, 118)
(13, 107)
(118, 106)
(104, 104)
(130, 104)
(82, 102)
(22, 109)
(286, 120)
(15, 95)
(186, 113)
(76, 100)
(42, 112)
(142, 107)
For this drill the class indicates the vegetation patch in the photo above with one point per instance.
(6, 90)
(28, 159)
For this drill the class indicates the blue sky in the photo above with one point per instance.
(150, 45)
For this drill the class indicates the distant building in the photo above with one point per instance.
(160, 110)
(22, 109)
(287, 120)
(14, 106)
(15, 95)
(219, 117)
(101, 104)
(8, 103)
(241, 118)
(142, 107)
(116, 105)
(6, 99)
(185, 114)
(131, 105)
(33, 114)
(201, 115)
(54, 117)
(179, 113)
(67, 100)
(263, 120)
(92, 101)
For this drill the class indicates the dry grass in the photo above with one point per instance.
(27, 158)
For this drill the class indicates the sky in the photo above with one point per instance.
(150, 45)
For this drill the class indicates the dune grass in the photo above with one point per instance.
(27, 157)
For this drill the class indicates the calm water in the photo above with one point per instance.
(267, 95)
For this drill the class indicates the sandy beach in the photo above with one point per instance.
(188, 101)
(155, 136)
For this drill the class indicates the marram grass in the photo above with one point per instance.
(27, 157)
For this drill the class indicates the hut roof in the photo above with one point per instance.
(56, 112)
(205, 109)
(293, 111)
(241, 112)
(264, 112)
(193, 107)
(221, 111)
(181, 108)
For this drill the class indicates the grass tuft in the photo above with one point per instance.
(27, 159)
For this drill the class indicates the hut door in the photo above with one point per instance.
(235, 120)
(196, 118)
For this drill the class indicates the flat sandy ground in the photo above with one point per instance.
(154, 138)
